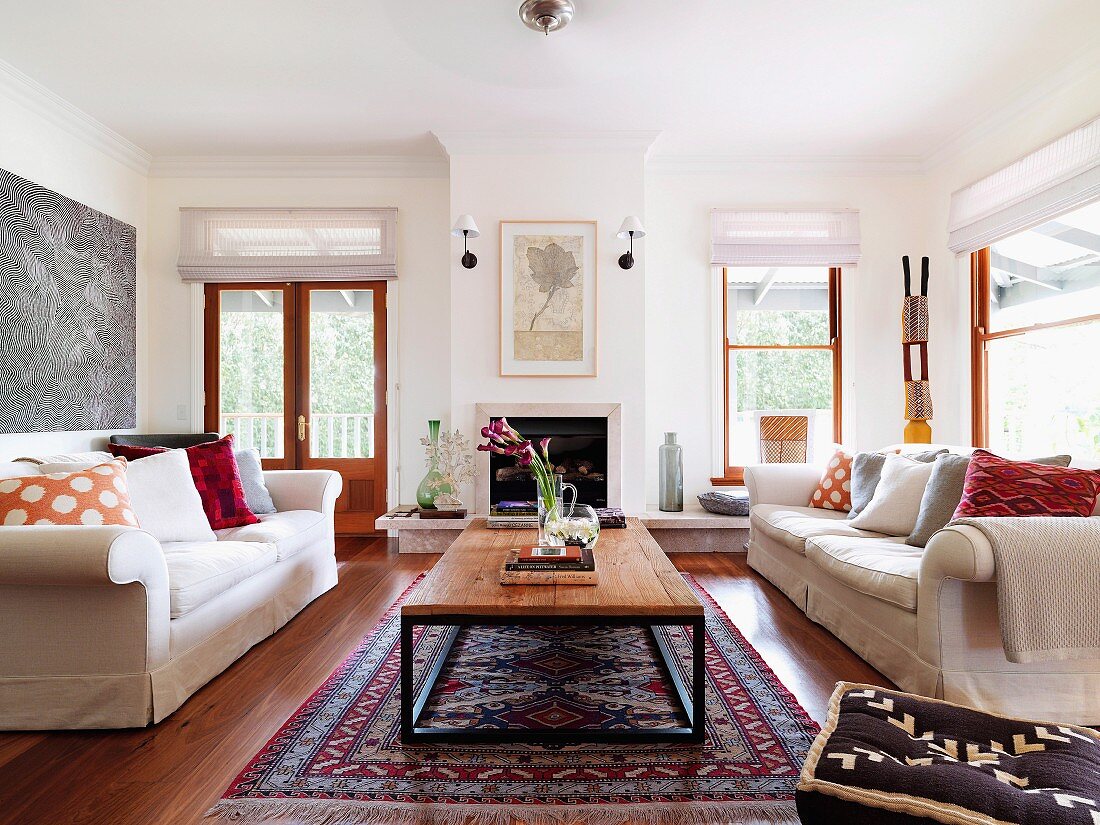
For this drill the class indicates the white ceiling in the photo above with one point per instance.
(756, 78)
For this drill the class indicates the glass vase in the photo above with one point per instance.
(430, 485)
(670, 459)
(552, 509)
(581, 527)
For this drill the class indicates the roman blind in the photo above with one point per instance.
(773, 238)
(1056, 178)
(287, 244)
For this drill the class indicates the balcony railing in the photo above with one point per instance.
(331, 435)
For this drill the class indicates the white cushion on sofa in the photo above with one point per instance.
(18, 469)
(289, 531)
(165, 500)
(885, 568)
(199, 571)
(792, 525)
(894, 508)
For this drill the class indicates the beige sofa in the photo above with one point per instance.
(926, 618)
(103, 627)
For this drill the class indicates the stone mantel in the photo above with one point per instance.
(613, 413)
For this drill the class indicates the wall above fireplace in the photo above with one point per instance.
(550, 411)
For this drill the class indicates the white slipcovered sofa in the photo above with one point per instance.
(103, 627)
(925, 617)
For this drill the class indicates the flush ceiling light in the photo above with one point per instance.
(546, 15)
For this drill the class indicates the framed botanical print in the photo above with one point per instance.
(548, 298)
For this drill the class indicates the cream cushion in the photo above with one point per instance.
(290, 531)
(199, 571)
(885, 568)
(18, 469)
(165, 500)
(894, 508)
(792, 525)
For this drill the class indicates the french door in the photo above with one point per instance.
(298, 372)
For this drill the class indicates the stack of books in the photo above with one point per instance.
(549, 565)
(610, 517)
(514, 515)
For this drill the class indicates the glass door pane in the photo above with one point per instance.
(251, 368)
(342, 400)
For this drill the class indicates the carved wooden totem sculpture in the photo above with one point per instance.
(914, 333)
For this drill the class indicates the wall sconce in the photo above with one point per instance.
(465, 228)
(632, 228)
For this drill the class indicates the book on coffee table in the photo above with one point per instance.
(545, 553)
(520, 571)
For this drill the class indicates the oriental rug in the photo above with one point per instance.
(340, 759)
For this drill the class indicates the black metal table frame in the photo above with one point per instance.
(692, 703)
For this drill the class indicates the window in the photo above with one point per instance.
(781, 347)
(1036, 335)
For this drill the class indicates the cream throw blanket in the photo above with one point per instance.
(1048, 585)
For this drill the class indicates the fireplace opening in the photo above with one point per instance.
(578, 448)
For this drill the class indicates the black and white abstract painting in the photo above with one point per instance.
(67, 313)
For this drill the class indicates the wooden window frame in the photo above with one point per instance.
(981, 335)
(734, 476)
(212, 359)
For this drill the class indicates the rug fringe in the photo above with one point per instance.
(332, 812)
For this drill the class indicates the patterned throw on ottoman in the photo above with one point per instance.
(890, 757)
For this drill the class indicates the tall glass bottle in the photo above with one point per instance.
(670, 458)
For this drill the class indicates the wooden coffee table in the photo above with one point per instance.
(638, 586)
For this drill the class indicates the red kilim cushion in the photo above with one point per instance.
(214, 469)
(995, 486)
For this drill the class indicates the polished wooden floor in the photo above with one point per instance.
(174, 772)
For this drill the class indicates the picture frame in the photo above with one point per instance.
(548, 299)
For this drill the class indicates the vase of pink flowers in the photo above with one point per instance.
(503, 439)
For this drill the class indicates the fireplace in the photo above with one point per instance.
(578, 448)
(586, 442)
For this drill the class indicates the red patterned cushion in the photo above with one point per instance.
(214, 469)
(995, 486)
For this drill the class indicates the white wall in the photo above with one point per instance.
(38, 149)
(552, 186)
(419, 320)
(683, 340)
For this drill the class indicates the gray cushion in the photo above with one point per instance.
(725, 504)
(252, 480)
(867, 470)
(945, 491)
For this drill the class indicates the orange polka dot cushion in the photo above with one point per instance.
(834, 491)
(91, 497)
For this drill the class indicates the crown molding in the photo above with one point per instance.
(301, 166)
(32, 95)
(1028, 99)
(840, 166)
(537, 143)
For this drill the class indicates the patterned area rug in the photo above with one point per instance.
(340, 760)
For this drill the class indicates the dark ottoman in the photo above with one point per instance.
(889, 757)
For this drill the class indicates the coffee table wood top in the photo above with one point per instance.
(635, 579)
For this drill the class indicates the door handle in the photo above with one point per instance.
(302, 424)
